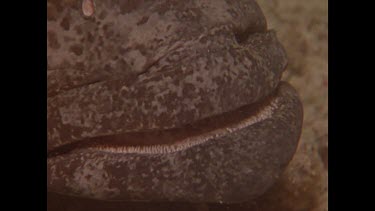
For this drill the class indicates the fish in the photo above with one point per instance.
(166, 101)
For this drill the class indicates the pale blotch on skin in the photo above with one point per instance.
(88, 7)
(92, 177)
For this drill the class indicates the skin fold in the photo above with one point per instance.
(166, 101)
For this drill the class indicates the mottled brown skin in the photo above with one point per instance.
(138, 66)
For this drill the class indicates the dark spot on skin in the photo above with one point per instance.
(200, 79)
(129, 5)
(58, 5)
(143, 49)
(109, 33)
(105, 27)
(98, 53)
(52, 39)
(323, 152)
(102, 15)
(51, 13)
(107, 68)
(72, 4)
(123, 50)
(158, 40)
(90, 37)
(225, 60)
(100, 41)
(169, 27)
(162, 9)
(65, 24)
(188, 90)
(80, 66)
(108, 29)
(143, 20)
(76, 49)
(232, 13)
(78, 29)
(123, 65)
(204, 40)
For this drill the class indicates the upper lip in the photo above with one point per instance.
(199, 129)
(241, 37)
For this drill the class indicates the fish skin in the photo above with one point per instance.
(134, 66)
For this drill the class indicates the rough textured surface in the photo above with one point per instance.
(141, 65)
(189, 60)
(302, 27)
(231, 168)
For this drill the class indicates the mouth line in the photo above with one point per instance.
(176, 139)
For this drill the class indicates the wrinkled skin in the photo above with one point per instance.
(139, 66)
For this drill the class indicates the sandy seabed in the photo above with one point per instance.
(302, 27)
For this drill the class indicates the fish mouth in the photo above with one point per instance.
(199, 119)
(223, 67)
(175, 139)
(247, 148)
(163, 88)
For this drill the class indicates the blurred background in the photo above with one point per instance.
(302, 27)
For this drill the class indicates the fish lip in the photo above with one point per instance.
(103, 85)
(113, 143)
(270, 143)
(75, 155)
(239, 31)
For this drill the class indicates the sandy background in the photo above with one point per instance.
(302, 27)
